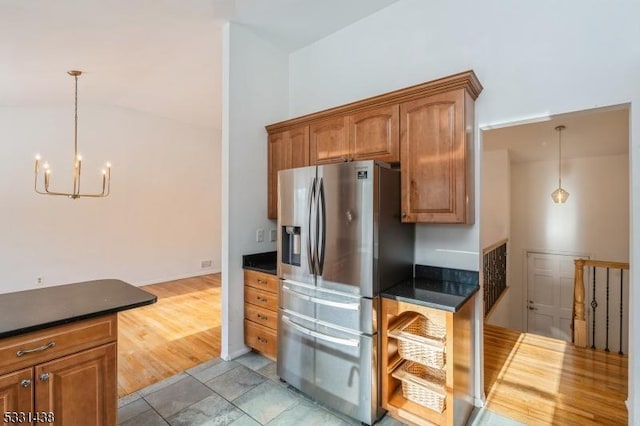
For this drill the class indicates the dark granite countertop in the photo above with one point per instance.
(261, 262)
(30, 310)
(439, 288)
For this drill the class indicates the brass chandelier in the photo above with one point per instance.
(77, 163)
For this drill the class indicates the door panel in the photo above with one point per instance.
(16, 393)
(329, 141)
(550, 295)
(348, 206)
(81, 388)
(433, 159)
(294, 196)
(375, 134)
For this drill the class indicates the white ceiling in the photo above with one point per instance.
(156, 56)
(591, 133)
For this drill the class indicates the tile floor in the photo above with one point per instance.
(242, 392)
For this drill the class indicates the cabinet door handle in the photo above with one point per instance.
(261, 299)
(262, 281)
(262, 317)
(262, 341)
(25, 383)
(44, 377)
(39, 349)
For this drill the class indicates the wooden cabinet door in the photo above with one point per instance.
(434, 159)
(80, 389)
(374, 134)
(329, 140)
(16, 394)
(286, 150)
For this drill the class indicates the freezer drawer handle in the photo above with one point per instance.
(349, 306)
(345, 342)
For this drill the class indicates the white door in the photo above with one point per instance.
(550, 295)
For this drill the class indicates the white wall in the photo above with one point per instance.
(255, 78)
(533, 59)
(496, 192)
(594, 220)
(495, 216)
(160, 221)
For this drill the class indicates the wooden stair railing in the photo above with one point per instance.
(579, 319)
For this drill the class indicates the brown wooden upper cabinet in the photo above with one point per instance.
(374, 134)
(367, 135)
(287, 149)
(427, 128)
(329, 141)
(436, 161)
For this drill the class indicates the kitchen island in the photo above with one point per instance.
(58, 351)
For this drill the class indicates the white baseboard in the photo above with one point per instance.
(177, 277)
(478, 402)
(236, 354)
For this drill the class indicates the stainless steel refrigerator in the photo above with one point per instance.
(340, 242)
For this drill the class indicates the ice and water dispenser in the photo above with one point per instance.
(291, 245)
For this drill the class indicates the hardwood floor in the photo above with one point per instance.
(178, 332)
(538, 380)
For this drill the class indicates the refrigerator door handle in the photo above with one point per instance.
(310, 251)
(322, 234)
(349, 306)
(311, 333)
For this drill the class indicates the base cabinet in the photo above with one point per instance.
(427, 380)
(261, 312)
(67, 375)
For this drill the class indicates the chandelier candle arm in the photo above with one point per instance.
(77, 162)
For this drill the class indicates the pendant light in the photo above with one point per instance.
(559, 196)
(77, 164)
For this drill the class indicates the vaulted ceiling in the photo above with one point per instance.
(157, 56)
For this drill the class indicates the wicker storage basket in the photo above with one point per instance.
(422, 385)
(421, 340)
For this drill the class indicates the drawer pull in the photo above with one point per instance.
(262, 317)
(262, 341)
(25, 383)
(261, 299)
(44, 377)
(39, 349)
(262, 281)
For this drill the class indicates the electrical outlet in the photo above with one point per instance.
(273, 235)
(260, 235)
(206, 264)
(40, 280)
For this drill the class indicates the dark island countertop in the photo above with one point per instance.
(31, 310)
(261, 262)
(433, 287)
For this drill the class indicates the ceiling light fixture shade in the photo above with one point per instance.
(559, 196)
(77, 163)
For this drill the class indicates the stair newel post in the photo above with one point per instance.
(579, 322)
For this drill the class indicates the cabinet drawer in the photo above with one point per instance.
(261, 298)
(261, 316)
(261, 281)
(261, 338)
(40, 346)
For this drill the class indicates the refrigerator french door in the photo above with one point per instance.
(340, 242)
